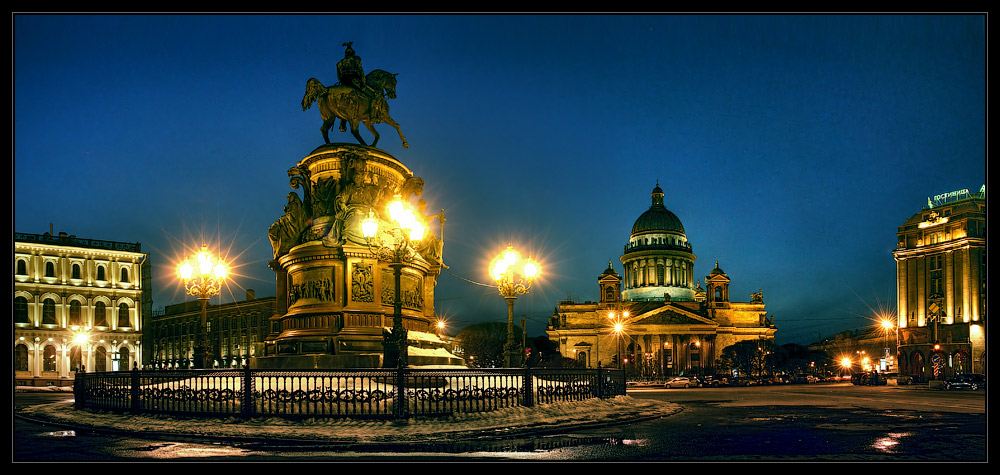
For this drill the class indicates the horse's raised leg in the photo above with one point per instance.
(388, 120)
(343, 125)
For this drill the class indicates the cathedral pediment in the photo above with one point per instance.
(671, 315)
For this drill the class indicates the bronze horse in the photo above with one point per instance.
(352, 106)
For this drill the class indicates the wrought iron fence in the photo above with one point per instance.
(362, 393)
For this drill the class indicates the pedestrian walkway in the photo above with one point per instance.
(509, 422)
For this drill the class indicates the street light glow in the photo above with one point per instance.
(502, 269)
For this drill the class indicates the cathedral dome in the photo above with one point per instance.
(657, 218)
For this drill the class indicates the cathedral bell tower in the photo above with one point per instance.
(611, 285)
(717, 294)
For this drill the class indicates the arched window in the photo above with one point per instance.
(22, 267)
(21, 357)
(101, 359)
(74, 313)
(123, 359)
(100, 314)
(100, 273)
(123, 315)
(50, 269)
(21, 310)
(124, 274)
(76, 271)
(49, 312)
(49, 358)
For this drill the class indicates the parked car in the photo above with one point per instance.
(966, 381)
(901, 379)
(682, 382)
(713, 382)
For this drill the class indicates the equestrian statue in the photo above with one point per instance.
(356, 99)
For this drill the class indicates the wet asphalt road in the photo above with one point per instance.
(778, 423)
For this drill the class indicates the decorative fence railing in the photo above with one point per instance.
(362, 393)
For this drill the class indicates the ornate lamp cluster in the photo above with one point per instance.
(504, 269)
(203, 280)
(210, 277)
(406, 228)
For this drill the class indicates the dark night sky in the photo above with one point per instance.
(791, 147)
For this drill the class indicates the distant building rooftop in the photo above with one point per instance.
(69, 240)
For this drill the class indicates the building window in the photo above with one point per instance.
(76, 271)
(123, 315)
(101, 359)
(21, 357)
(125, 274)
(100, 314)
(123, 359)
(100, 273)
(936, 262)
(22, 267)
(49, 359)
(74, 313)
(21, 310)
(49, 312)
(50, 269)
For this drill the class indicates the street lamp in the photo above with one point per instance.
(406, 228)
(203, 279)
(887, 326)
(618, 321)
(503, 269)
(846, 364)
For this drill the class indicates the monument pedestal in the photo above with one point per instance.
(335, 297)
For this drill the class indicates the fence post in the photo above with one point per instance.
(401, 403)
(600, 383)
(134, 390)
(248, 409)
(79, 390)
(527, 388)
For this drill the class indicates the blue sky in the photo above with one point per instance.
(790, 147)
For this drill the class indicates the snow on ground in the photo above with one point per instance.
(505, 422)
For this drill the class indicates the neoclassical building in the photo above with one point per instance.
(235, 331)
(941, 287)
(673, 325)
(78, 304)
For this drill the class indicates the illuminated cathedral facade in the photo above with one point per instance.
(655, 319)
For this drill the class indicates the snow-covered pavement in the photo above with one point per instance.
(509, 422)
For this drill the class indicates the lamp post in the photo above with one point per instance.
(406, 228)
(204, 279)
(510, 286)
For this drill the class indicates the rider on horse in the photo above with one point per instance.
(350, 73)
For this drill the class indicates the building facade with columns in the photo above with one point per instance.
(670, 325)
(78, 305)
(941, 287)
